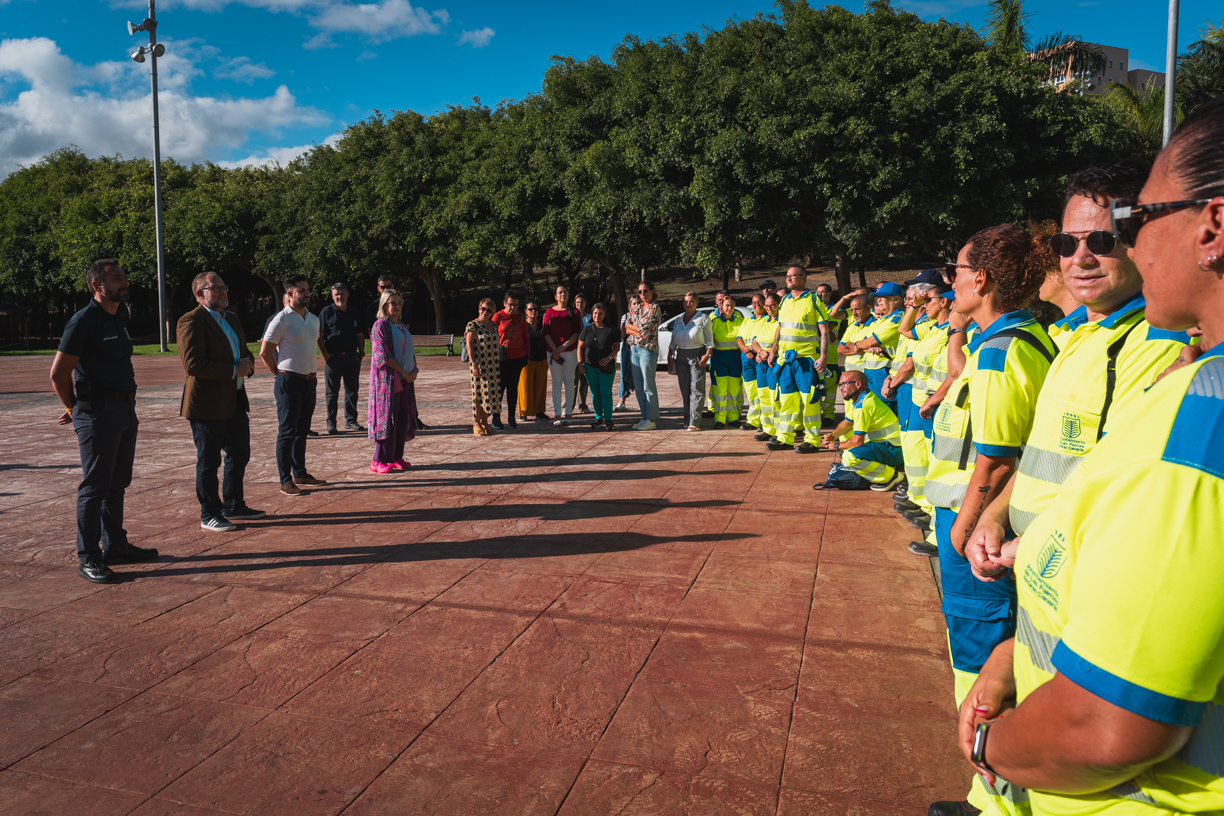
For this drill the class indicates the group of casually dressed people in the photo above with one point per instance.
(1069, 477)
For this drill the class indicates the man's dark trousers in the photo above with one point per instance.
(295, 404)
(344, 367)
(107, 437)
(212, 436)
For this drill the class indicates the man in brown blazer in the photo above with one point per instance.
(217, 362)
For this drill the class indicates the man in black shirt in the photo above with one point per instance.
(342, 342)
(93, 377)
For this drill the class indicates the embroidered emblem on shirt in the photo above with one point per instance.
(1049, 562)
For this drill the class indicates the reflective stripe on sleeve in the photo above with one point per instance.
(1039, 644)
(948, 448)
(892, 430)
(1020, 519)
(945, 495)
(1048, 466)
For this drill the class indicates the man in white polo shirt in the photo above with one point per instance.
(288, 350)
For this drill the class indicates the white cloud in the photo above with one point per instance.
(379, 21)
(105, 109)
(278, 155)
(478, 38)
(376, 21)
(241, 69)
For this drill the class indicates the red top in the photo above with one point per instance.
(512, 333)
(561, 325)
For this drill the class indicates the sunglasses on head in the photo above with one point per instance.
(1127, 217)
(1099, 242)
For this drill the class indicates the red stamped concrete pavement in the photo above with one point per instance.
(543, 622)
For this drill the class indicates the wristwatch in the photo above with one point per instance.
(978, 755)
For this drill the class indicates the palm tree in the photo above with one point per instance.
(1058, 53)
(1200, 71)
(1140, 115)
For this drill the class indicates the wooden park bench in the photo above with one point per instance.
(446, 341)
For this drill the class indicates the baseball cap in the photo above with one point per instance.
(926, 276)
(890, 289)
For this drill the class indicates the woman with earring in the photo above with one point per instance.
(393, 373)
(481, 339)
(597, 351)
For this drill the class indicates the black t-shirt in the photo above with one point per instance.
(340, 329)
(597, 344)
(100, 340)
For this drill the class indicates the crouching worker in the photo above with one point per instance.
(873, 448)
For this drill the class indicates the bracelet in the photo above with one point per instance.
(957, 331)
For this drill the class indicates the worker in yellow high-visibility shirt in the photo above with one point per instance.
(767, 371)
(871, 432)
(726, 365)
(920, 367)
(802, 352)
(979, 432)
(857, 328)
(828, 403)
(880, 346)
(748, 363)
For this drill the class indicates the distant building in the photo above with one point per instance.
(1117, 61)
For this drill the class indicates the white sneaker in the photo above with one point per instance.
(891, 484)
(645, 425)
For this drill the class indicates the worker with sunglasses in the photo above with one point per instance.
(1105, 363)
(979, 431)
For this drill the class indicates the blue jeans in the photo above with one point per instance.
(212, 436)
(626, 369)
(643, 362)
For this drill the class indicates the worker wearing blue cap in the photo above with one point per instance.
(881, 345)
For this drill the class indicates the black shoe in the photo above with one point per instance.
(95, 570)
(905, 506)
(511, 422)
(597, 424)
(923, 523)
(805, 447)
(608, 426)
(245, 513)
(496, 422)
(312, 433)
(923, 548)
(332, 430)
(131, 554)
(911, 514)
(777, 446)
(353, 426)
(718, 426)
(421, 426)
(952, 809)
(541, 417)
(744, 426)
(763, 437)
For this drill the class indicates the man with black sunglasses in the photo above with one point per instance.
(1107, 360)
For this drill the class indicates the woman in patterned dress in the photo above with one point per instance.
(393, 373)
(481, 339)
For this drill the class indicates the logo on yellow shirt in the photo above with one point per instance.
(1072, 428)
(1048, 564)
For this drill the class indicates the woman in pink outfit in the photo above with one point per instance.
(393, 373)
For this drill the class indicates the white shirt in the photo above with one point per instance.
(697, 334)
(296, 340)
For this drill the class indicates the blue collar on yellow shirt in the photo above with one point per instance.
(1124, 311)
(1008, 320)
(1074, 320)
(870, 320)
(858, 403)
(806, 293)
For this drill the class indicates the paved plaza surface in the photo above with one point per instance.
(553, 621)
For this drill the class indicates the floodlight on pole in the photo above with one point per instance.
(154, 51)
(1170, 72)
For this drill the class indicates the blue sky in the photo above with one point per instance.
(253, 80)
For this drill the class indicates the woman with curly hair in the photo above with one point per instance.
(979, 431)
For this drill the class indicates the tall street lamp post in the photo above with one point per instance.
(1170, 71)
(154, 51)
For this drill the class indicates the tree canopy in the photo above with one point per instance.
(807, 133)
